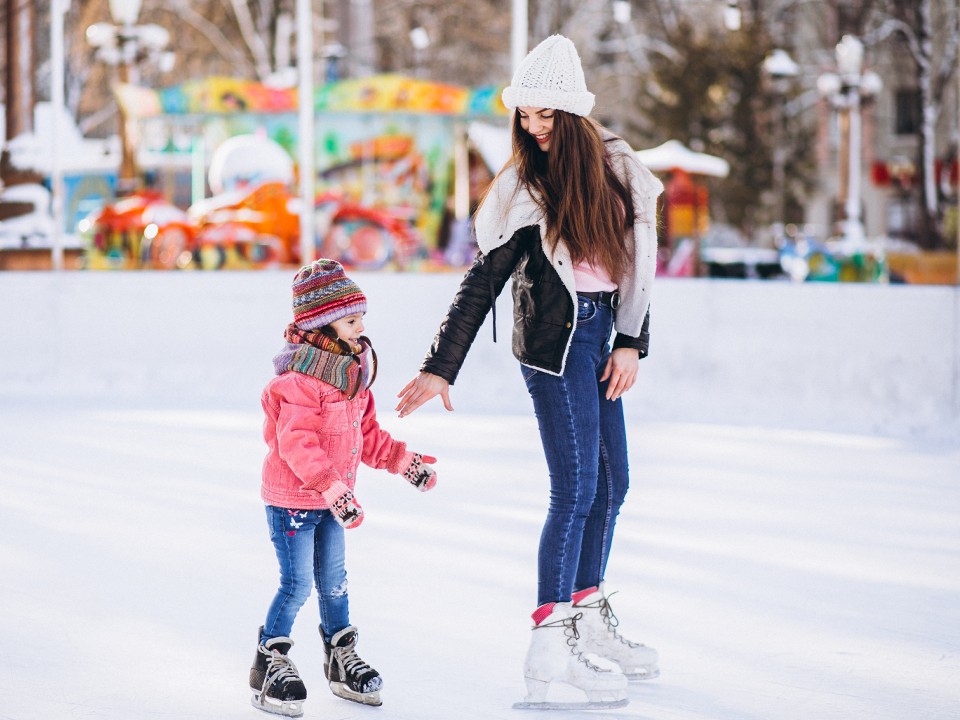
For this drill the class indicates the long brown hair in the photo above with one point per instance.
(582, 198)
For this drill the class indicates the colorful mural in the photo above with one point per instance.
(377, 93)
(384, 153)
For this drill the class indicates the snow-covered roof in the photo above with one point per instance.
(34, 150)
(492, 142)
(674, 155)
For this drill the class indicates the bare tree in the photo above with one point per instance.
(469, 41)
(930, 32)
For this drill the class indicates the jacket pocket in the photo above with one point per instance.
(333, 424)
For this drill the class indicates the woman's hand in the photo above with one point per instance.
(621, 369)
(422, 388)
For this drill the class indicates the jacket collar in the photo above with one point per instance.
(509, 207)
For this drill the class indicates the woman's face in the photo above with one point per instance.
(539, 123)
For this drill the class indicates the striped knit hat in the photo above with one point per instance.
(322, 293)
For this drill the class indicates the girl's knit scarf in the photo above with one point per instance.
(312, 353)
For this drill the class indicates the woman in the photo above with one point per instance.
(572, 217)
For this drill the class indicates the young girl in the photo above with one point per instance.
(571, 219)
(319, 424)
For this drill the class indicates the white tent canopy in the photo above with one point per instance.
(674, 155)
(492, 142)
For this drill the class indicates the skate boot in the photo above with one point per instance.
(598, 635)
(554, 657)
(276, 684)
(349, 676)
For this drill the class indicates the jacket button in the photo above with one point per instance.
(349, 475)
(353, 450)
(568, 326)
(355, 423)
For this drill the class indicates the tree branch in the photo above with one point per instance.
(210, 31)
(949, 58)
(261, 55)
(888, 28)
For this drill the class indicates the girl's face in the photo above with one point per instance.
(539, 123)
(349, 328)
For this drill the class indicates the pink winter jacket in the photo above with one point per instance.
(315, 435)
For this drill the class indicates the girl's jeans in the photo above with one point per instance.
(585, 443)
(310, 550)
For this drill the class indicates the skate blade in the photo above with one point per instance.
(370, 698)
(549, 705)
(643, 674)
(290, 708)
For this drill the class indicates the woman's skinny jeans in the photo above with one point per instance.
(585, 443)
(310, 549)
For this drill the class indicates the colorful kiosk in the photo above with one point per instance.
(391, 155)
(686, 214)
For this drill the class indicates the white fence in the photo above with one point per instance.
(859, 358)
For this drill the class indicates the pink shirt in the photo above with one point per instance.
(588, 278)
(315, 435)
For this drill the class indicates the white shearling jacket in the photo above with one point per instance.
(508, 207)
(510, 229)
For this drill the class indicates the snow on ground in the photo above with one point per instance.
(782, 573)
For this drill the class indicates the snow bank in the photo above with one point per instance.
(858, 358)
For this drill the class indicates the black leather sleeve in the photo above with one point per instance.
(640, 344)
(478, 291)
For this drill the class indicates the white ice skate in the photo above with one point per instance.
(554, 657)
(598, 635)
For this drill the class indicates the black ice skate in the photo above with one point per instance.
(349, 676)
(276, 684)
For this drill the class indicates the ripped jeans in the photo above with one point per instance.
(310, 550)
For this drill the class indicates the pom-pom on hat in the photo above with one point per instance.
(322, 293)
(550, 76)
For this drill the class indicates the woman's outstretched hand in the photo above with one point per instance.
(621, 369)
(423, 387)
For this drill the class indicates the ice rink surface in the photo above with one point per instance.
(790, 543)
(781, 574)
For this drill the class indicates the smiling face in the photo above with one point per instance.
(349, 328)
(539, 123)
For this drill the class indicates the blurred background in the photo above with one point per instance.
(806, 140)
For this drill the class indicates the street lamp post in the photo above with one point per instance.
(732, 17)
(124, 45)
(781, 69)
(307, 129)
(420, 39)
(518, 32)
(846, 90)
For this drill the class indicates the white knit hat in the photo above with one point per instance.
(550, 76)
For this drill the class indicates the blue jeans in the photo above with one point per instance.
(310, 550)
(584, 440)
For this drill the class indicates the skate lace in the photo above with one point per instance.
(280, 669)
(569, 626)
(352, 662)
(610, 620)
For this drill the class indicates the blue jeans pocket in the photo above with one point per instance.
(586, 310)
